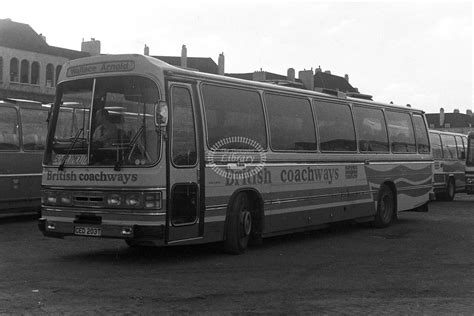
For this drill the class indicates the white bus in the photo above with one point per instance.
(236, 161)
(449, 153)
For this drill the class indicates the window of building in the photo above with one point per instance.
(14, 70)
(371, 129)
(400, 130)
(291, 123)
(9, 133)
(58, 70)
(49, 75)
(234, 112)
(25, 71)
(335, 126)
(421, 134)
(34, 128)
(35, 72)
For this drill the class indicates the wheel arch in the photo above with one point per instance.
(257, 208)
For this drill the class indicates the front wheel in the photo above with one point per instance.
(238, 225)
(385, 208)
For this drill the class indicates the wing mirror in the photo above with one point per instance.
(161, 114)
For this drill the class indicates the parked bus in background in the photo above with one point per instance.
(238, 160)
(23, 128)
(449, 153)
(470, 164)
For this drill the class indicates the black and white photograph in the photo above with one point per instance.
(236, 157)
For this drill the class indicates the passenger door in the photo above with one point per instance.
(183, 219)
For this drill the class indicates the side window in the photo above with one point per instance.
(371, 129)
(449, 146)
(436, 147)
(336, 128)
(9, 134)
(421, 134)
(460, 148)
(232, 112)
(34, 126)
(291, 123)
(400, 130)
(183, 132)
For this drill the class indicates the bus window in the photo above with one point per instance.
(9, 139)
(421, 134)
(400, 129)
(449, 146)
(371, 129)
(336, 128)
(291, 123)
(34, 127)
(232, 112)
(184, 138)
(436, 147)
(460, 148)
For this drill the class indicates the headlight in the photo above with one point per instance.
(114, 199)
(133, 200)
(49, 197)
(65, 198)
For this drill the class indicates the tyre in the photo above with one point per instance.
(386, 210)
(238, 225)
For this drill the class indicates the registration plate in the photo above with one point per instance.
(87, 231)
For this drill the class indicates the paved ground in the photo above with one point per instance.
(424, 264)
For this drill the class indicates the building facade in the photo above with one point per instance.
(451, 122)
(29, 67)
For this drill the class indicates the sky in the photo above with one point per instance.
(409, 52)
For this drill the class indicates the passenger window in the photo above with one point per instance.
(336, 128)
(400, 130)
(184, 137)
(232, 112)
(449, 146)
(436, 147)
(421, 134)
(371, 129)
(291, 123)
(460, 148)
(34, 128)
(9, 133)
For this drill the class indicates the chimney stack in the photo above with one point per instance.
(221, 64)
(307, 77)
(290, 74)
(259, 75)
(441, 117)
(146, 51)
(346, 76)
(184, 57)
(456, 111)
(469, 112)
(92, 47)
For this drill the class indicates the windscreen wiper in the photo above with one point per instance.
(76, 137)
(130, 145)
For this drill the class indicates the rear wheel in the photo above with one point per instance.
(238, 225)
(385, 207)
